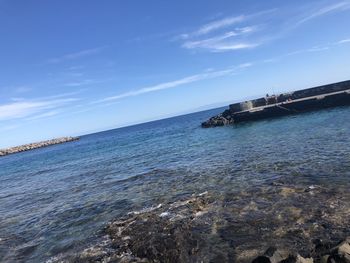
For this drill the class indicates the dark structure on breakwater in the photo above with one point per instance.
(332, 95)
(32, 146)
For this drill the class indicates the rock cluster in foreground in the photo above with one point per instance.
(279, 223)
(31, 146)
(337, 254)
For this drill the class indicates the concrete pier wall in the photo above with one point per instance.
(292, 95)
(331, 95)
(299, 106)
(321, 90)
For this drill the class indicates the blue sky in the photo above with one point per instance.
(74, 67)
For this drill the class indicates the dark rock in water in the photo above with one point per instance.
(277, 184)
(219, 120)
(297, 259)
(169, 234)
(232, 228)
(324, 259)
(323, 254)
(176, 243)
(340, 253)
(321, 248)
(272, 255)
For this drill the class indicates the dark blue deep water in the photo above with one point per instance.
(57, 199)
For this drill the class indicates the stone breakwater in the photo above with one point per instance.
(327, 96)
(32, 146)
(278, 223)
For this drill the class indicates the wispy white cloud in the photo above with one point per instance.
(75, 74)
(80, 83)
(308, 50)
(224, 23)
(27, 108)
(43, 115)
(335, 7)
(9, 127)
(344, 41)
(73, 68)
(64, 95)
(220, 47)
(319, 48)
(226, 34)
(176, 83)
(76, 55)
(209, 41)
(225, 41)
(22, 89)
(17, 99)
(219, 24)
(15, 90)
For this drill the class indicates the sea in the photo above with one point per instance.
(57, 200)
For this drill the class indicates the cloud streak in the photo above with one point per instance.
(341, 6)
(219, 24)
(225, 41)
(176, 83)
(43, 115)
(344, 41)
(80, 83)
(77, 55)
(8, 128)
(313, 49)
(26, 109)
(227, 34)
(223, 23)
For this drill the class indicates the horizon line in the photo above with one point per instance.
(175, 115)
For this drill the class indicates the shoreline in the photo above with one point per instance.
(36, 145)
(301, 224)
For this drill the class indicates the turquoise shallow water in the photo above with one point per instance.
(57, 199)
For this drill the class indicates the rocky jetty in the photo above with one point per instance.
(222, 119)
(332, 95)
(279, 223)
(32, 146)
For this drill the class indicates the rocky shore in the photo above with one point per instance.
(32, 146)
(276, 223)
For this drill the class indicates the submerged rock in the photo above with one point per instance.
(168, 236)
(340, 253)
(297, 259)
(297, 226)
(272, 255)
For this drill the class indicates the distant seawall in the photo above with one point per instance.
(32, 146)
(331, 95)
